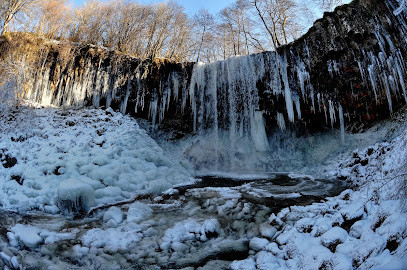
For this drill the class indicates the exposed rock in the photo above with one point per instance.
(348, 70)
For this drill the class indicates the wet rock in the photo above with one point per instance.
(70, 123)
(7, 161)
(18, 179)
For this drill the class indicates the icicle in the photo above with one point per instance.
(331, 113)
(123, 106)
(342, 123)
(153, 111)
(387, 89)
(280, 121)
(287, 90)
(175, 85)
(303, 76)
(370, 69)
(401, 79)
(297, 105)
(259, 133)
(361, 71)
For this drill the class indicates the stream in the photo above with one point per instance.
(235, 207)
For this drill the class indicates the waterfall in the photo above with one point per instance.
(238, 103)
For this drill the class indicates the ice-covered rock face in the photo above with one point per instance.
(347, 68)
(346, 72)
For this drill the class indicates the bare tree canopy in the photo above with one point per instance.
(328, 5)
(164, 29)
(11, 9)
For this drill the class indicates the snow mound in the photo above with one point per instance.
(75, 196)
(113, 239)
(190, 230)
(113, 216)
(104, 151)
(27, 235)
(138, 212)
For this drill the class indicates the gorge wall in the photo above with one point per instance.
(347, 72)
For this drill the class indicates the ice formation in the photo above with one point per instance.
(224, 99)
(75, 196)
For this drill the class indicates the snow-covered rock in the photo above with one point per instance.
(75, 196)
(258, 244)
(334, 237)
(27, 235)
(113, 216)
(138, 212)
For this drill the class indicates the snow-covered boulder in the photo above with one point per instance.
(113, 216)
(138, 212)
(258, 244)
(27, 235)
(266, 260)
(247, 264)
(266, 230)
(334, 237)
(75, 196)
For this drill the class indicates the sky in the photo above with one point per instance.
(191, 6)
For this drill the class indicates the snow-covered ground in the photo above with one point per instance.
(57, 157)
(58, 162)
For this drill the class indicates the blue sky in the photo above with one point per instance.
(191, 6)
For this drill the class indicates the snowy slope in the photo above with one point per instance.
(363, 228)
(92, 156)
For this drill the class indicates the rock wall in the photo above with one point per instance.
(348, 71)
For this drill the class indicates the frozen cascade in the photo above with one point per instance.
(280, 121)
(287, 90)
(332, 113)
(342, 123)
(230, 101)
(259, 132)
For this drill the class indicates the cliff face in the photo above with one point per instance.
(349, 70)
(353, 58)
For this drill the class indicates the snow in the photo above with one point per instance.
(113, 216)
(138, 212)
(27, 235)
(258, 244)
(363, 228)
(113, 239)
(334, 236)
(64, 156)
(74, 195)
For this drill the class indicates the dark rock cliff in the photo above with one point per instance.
(348, 70)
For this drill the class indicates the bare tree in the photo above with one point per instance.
(11, 9)
(328, 5)
(282, 19)
(54, 16)
(205, 21)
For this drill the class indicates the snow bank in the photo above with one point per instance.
(65, 156)
(364, 228)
